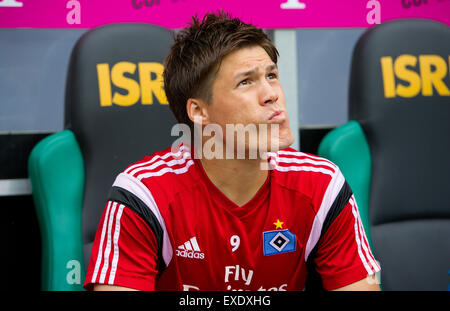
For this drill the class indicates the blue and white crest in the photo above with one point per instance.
(278, 241)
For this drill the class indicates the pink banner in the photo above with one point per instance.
(176, 13)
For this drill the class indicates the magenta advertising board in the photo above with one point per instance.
(176, 13)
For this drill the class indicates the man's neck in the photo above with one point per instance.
(239, 180)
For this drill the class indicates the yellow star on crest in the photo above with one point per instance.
(278, 224)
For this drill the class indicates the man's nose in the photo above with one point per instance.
(268, 93)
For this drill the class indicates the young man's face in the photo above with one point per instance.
(247, 91)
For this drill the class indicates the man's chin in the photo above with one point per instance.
(282, 142)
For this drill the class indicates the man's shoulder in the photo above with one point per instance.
(291, 162)
(162, 169)
(169, 160)
(304, 172)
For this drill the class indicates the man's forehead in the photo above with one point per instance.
(248, 58)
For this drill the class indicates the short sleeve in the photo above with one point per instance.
(343, 254)
(124, 252)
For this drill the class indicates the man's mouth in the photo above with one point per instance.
(277, 116)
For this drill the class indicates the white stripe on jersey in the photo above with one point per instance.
(133, 168)
(358, 241)
(305, 157)
(165, 170)
(333, 189)
(159, 163)
(301, 168)
(136, 187)
(361, 241)
(115, 260)
(304, 161)
(108, 245)
(100, 250)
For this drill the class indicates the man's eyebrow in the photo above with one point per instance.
(271, 67)
(246, 73)
(255, 70)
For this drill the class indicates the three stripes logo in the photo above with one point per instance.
(190, 249)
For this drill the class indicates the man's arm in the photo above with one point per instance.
(344, 258)
(122, 234)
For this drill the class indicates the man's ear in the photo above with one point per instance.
(197, 110)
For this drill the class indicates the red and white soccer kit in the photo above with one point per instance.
(166, 226)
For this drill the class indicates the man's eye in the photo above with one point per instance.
(272, 76)
(243, 82)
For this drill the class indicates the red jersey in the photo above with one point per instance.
(166, 226)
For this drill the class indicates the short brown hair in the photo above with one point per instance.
(196, 55)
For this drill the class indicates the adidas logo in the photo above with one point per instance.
(190, 249)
